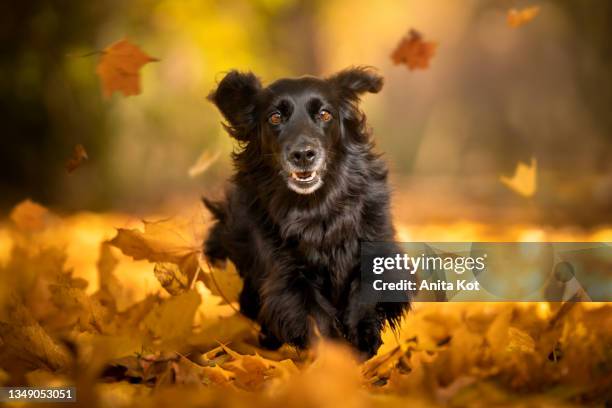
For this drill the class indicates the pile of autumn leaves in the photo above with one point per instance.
(186, 345)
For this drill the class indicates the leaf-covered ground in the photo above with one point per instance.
(133, 318)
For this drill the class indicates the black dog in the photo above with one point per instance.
(307, 190)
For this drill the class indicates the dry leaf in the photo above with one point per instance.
(517, 18)
(223, 329)
(171, 322)
(158, 243)
(218, 376)
(171, 278)
(70, 297)
(520, 341)
(119, 68)
(524, 180)
(205, 160)
(24, 341)
(414, 52)
(458, 354)
(177, 278)
(212, 307)
(225, 282)
(250, 371)
(30, 216)
(109, 286)
(78, 155)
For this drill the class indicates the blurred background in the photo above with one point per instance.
(493, 97)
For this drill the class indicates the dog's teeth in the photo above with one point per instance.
(310, 177)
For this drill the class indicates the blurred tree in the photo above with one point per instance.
(46, 110)
(592, 23)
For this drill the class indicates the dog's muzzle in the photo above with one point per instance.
(304, 166)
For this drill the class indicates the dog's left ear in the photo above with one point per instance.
(353, 82)
(236, 98)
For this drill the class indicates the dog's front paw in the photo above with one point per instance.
(268, 341)
(365, 336)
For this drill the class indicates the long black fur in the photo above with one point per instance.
(299, 253)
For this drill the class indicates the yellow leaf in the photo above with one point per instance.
(205, 160)
(520, 341)
(23, 342)
(218, 375)
(110, 287)
(171, 277)
(524, 180)
(77, 307)
(222, 330)
(225, 283)
(171, 322)
(119, 68)
(177, 278)
(160, 242)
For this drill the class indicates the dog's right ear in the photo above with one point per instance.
(355, 81)
(236, 98)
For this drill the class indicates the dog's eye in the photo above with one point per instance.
(275, 118)
(325, 116)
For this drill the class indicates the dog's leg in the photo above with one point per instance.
(286, 299)
(250, 306)
(213, 246)
(268, 340)
(325, 315)
(363, 323)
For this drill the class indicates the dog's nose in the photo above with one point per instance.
(303, 156)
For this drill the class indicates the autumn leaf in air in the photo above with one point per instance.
(524, 180)
(517, 18)
(78, 155)
(414, 52)
(119, 68)
(204, 161)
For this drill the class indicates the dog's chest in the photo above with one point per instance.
(330, 243)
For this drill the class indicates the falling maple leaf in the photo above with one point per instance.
(205, 160)
(524, 180)
(119, 68)
(414, 52)
(78, 155)
(517, 18)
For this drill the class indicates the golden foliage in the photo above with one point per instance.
(188, 347)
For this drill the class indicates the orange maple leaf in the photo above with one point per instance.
(78, 155)
(414, 52)
(119, 68)
(517, 18)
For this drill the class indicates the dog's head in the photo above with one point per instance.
(298, 124)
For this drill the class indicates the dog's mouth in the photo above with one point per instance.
(303, 176)
(304, 182)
